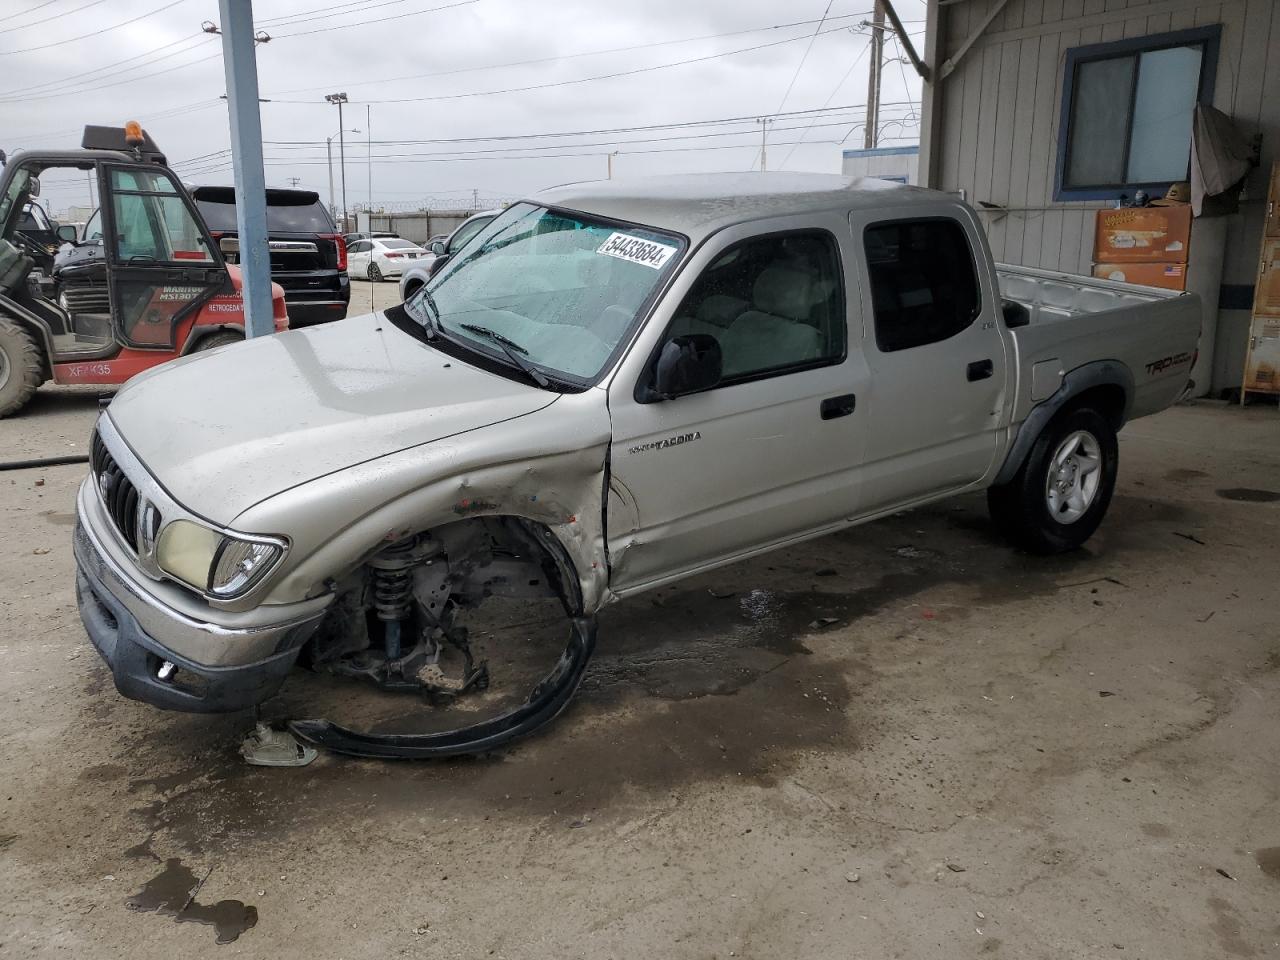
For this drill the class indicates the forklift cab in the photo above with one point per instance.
(158, 265)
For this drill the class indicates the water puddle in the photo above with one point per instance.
(1249, 495)
(172, 893)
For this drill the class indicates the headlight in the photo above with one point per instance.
(212, 562)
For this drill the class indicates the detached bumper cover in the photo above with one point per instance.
(135, 656)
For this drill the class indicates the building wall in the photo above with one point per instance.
(995, 124)
(883, 162)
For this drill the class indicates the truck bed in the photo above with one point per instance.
(1078, 320)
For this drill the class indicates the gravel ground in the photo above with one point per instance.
(906, 740)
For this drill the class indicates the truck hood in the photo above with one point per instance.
(226, 429)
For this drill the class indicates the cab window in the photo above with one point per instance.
(774, 303)
(923, 285)
(152, 222)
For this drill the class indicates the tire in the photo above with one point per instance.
(1043, 517)
(20, 367)
(374, 273)
(215, 340)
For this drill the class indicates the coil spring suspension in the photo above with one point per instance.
(393, 589)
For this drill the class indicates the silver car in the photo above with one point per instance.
(415, 274)
(613, 386)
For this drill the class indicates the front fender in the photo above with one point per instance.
(548, 469)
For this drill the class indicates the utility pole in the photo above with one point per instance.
(294, 181)
(241, 67)
(873, 81)
(368, 134)
(340, 99)
(475, 199)
(328, 143)
(610, 158)
(93, 203)
(764, 141)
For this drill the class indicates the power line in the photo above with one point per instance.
(22, 13)
(93, 33)
(605, 130)
(363, 23)
(838, 85)
(577, 80)
(320, 14)
(566, 56)
(127, 60)
(96, 85)
(65, 13)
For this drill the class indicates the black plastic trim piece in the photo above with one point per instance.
(545, 702)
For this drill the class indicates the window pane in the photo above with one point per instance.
(142, 180)
(923, 288)
(772, 303)
(1168, 81)
(1099, 116)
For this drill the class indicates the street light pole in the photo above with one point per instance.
(368, 135)
(328, 143)
(340, 99)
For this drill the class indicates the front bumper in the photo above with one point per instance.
(135, 633)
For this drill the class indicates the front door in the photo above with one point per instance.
(769, 453)
(162, 265)
(937, 356)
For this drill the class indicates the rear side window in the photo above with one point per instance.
(923, 286)
(399, 245)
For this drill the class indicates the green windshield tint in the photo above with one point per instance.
(564, 287)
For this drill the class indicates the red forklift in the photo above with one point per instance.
(151, 286)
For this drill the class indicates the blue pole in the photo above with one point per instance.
(238, 60)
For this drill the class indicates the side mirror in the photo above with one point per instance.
(33, 187)
(1015, 314)
(686, 364)
(67, 233)
(437, 247)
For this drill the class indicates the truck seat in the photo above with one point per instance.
(14, 266)
(776, 331)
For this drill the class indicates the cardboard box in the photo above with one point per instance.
(1170, 276)
(1142, 235)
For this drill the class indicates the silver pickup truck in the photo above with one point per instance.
(616, 385)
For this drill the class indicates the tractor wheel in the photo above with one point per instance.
(374, 273)
(217, 340)
(20, 367)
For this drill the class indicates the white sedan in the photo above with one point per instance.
(381, 257)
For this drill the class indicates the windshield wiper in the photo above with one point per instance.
(431, 315)
(512, 349)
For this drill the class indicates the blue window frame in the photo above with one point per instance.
(1126, 115)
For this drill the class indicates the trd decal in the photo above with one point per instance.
(668, 442)
(1159, 366)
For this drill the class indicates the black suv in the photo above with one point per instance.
(308, 255)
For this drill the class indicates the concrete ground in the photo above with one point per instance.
(902, 741)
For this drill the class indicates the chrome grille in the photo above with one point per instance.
(119, 495)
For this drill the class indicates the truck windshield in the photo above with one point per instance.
(562, 289)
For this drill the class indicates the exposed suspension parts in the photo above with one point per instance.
(394, 623)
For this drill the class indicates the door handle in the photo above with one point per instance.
(841, 406)
(980, 370)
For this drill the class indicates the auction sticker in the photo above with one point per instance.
(646, 252)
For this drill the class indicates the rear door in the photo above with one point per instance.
(161, 263)
(937, 355)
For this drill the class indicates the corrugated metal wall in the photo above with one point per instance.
(1000, 113)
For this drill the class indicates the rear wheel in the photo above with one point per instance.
(1059, 496)
(20, 367)
(374, 273)
(217, 340)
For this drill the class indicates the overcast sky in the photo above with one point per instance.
(161, 69)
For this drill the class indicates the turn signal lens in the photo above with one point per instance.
(239, 564)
